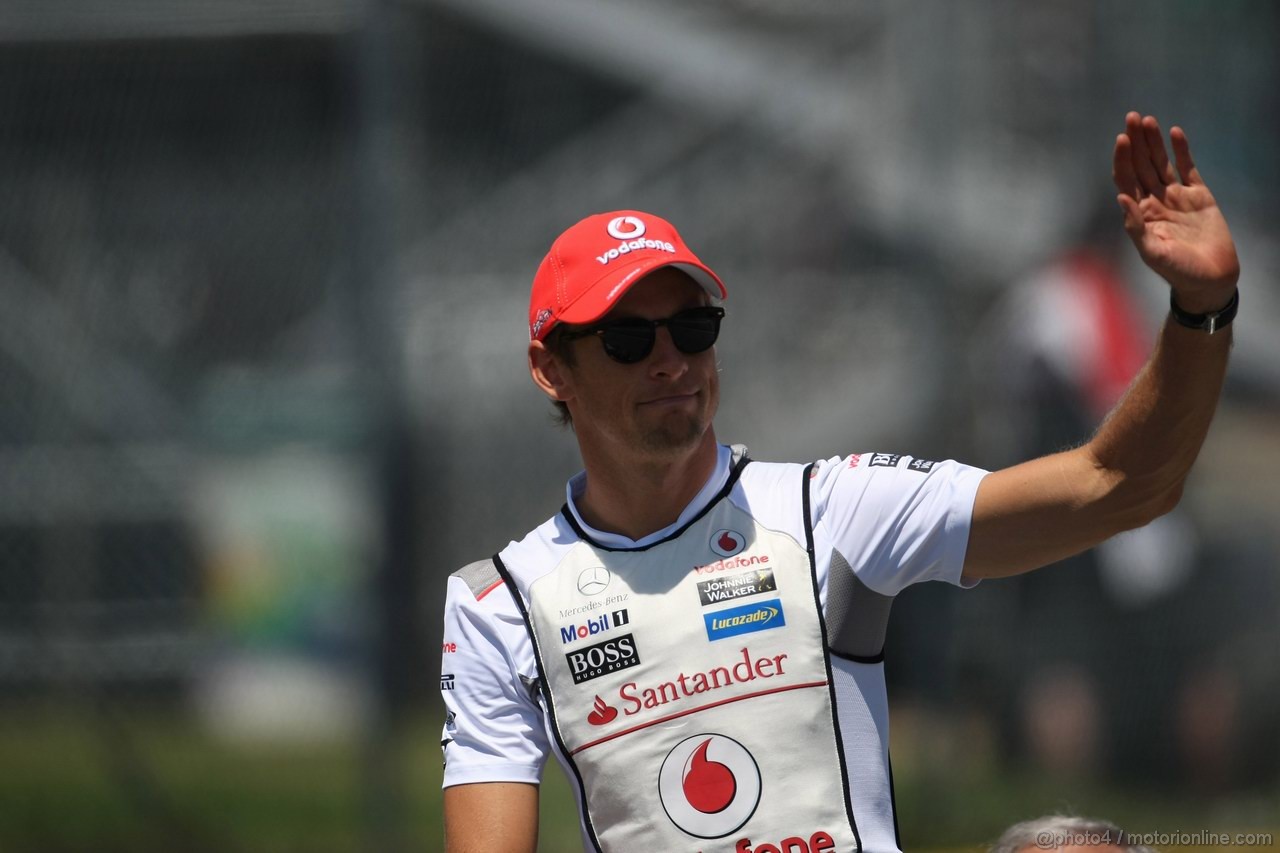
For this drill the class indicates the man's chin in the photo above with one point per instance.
(674, 435)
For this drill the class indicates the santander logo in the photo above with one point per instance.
(727, 542)
(603, 713)
(709, 785)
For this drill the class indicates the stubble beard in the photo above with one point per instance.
(673, 435)
(679, 432)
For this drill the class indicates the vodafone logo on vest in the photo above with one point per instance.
(726, 542)
(709, 785)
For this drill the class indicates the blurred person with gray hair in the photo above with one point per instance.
(1064, 833)
(698, 638)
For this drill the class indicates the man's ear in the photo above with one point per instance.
(549, 373)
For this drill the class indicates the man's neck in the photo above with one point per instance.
(638, 496)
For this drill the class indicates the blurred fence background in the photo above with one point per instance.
(263, 275)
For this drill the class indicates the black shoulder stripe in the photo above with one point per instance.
(806, 485)
(546, 692)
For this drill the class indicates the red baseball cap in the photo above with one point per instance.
(592, 264)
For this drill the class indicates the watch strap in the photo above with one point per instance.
(1211, 322)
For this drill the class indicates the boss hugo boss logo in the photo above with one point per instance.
(736, 586)
(446, 681)
(726, 543)
(606, 622)
(594, 580)
(602, 658)
(709, 785)
(747, 619)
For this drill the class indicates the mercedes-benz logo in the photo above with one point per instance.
(594, 580)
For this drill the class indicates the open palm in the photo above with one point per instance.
(1171, 217)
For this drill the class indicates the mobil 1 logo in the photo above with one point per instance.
(603, 658)
(605, 622)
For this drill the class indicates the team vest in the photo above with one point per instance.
(689, 685)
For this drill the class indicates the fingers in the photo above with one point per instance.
(1182, 153)
(1141, 166)
(1142, 158)
(1155, 144)
(1126, 180)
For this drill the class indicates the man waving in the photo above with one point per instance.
(698, 637)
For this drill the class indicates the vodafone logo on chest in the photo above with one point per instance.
(726, 543)
(709, 785)
(819, 842)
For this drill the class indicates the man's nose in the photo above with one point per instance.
(666, 360)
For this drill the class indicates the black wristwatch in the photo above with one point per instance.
(1210, 322)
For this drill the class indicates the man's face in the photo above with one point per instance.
(661, 405)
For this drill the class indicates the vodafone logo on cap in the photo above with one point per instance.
(629, 231)
(726, 542)
(625, 228)
(709, 785)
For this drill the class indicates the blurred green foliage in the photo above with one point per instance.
(73, 778)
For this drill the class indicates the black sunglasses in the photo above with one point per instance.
(630, 339)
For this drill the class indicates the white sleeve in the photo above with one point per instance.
(493, 728)
(896, 519)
